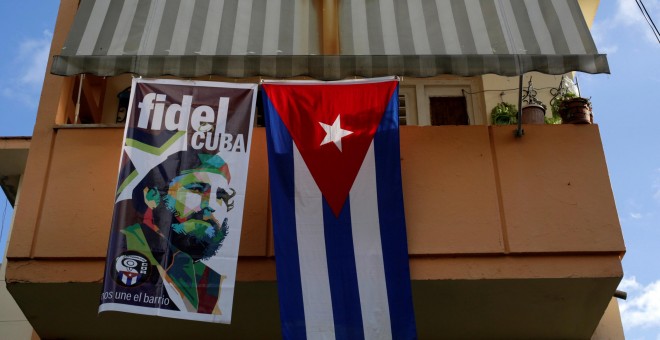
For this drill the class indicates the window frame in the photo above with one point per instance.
(422, 89)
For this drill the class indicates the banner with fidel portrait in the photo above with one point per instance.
(178, 210)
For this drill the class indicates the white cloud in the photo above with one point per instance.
(29, 68)
(656, 186)
(34, 55)
(636, 215)
(642, 308)
(628, 14)
(631, 212)
(599, 31)
(629, 284)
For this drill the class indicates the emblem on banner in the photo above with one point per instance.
(131, 269)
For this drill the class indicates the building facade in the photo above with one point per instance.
(509, 237)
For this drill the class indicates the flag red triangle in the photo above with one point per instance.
(310, 111)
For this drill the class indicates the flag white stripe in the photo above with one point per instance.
(315, 281)
(369, 252)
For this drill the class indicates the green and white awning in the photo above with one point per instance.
(282, 38)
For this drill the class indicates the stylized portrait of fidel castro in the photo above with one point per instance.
(183, 205)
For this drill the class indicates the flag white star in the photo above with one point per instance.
(334, 133)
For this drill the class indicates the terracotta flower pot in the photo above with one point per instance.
(533, 114)
(575, 111)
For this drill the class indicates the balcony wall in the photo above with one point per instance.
(489, 216)
(468, 190)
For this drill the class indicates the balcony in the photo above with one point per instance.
(508, 237)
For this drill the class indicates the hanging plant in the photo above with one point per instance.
(504, 114)
(567, 105)
(534, 111)
(554, 107)
(571, 109)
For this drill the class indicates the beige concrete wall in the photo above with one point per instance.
(498, 89)
(13, 323)
(589, 8)
(610, 327)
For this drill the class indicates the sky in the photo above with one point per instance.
(628, 118)
(629, 122)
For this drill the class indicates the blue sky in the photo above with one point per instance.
(629, 122)
(624, 108)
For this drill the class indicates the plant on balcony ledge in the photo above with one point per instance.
(571, 109)
(504, 114)
(568, 107)
(534, 111)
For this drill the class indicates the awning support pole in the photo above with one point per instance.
(520, 132)
(77, 110)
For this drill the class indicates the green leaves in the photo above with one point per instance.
(504, 114)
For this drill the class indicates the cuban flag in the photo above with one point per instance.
(129, 278)
(337, 206)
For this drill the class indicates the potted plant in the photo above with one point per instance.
(568, 107)
(504, 114)
(576, 111)
(533, 114)
(571, 109)
(534, 111)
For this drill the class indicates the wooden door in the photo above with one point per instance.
(449, 111)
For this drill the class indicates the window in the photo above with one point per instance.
(407, 105)
(84, 101)
(446, 100)
(90, 99)
(402, 109)
(448, 111)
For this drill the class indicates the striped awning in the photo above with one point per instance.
(283, 38)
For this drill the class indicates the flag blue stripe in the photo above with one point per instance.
(289, 286)
(393, 224)
(342, 272)
(344, 293)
